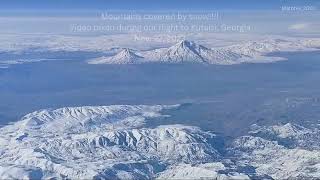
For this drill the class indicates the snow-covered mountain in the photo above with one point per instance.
(290, 136)
(113, 142)
(182, 52)
(263, 47)
(99, 142)
(206, 170)
(282, 151)
(190, 52)
(126, 56)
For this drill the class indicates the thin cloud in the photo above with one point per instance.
(309, 27)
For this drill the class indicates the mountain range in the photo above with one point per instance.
(190, 52)
(113, 142)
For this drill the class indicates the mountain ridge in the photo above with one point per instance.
(190, 52)
(112, 142)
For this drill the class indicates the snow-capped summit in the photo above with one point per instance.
(188, 46)
(189, 51)
(126, 56)
(185, 51)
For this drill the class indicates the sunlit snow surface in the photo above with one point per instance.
(113, 142)
(106, 141)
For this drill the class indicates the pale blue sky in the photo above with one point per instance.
(152, 4)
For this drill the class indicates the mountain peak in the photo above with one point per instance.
(126, 52)
(125, 56)
(186, 44)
